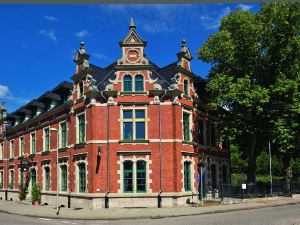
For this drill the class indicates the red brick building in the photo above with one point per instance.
(129, 134)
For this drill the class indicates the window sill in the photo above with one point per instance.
(133, 141)
(62, 149)
(45, 153)
(32, 155)
(188, 142)
(80, 145)
(133, 92)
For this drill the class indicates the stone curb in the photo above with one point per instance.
(153, 217)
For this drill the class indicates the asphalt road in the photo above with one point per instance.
(283, 215)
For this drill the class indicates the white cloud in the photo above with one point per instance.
(211, 20)
(50, 34)
(245, 7)
(5, 93)
(50, 18)
(4, 90)
(82, 33)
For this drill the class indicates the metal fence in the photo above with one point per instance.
(279, 188)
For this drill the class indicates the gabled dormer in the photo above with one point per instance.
(184, 56)
(133, 48)
(83, 70)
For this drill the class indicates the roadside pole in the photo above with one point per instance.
(271, 180)
(201, 179)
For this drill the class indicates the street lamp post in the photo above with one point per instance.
(271, 180)
(57, 173)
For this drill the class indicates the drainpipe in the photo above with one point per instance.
(6, 193)
(160, 153)
(108, 154)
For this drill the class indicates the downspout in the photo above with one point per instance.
(6, 190)
(160, 152)
(108, 154)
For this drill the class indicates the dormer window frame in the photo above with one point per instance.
(133, 81)
(80, 89)
(186, 88)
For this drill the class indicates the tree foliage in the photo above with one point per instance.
(255, 76)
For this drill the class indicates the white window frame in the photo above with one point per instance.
(188, 87)
(122, 120)
(60, 136)
(78, 89)
(190, 122)
(11, 149)
(44, 139)
(1, 151)
(20, 145)
(77, 127)
(31, 152)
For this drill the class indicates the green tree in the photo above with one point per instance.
(255, 71)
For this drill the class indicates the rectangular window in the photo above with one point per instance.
(47, 179)
(12, 149)
(141, 176)
(64, 178)
(187, 176)
(63, 129)
(1, 179)
(201, 134)
(1, 151)
(22, 143)
(134, 124)
(80, 89)
(46, 139)
(186, 126)
(12, 178)
(212, 135)
(81, 128)
(33, 143)
(82, 177)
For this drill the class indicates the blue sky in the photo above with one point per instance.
(38, 42)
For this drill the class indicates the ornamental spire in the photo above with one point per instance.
(131, 26)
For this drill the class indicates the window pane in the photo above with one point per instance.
(140, 130)
(63, 135)
(128, 176)
(186, 126)
(187, 176)
(139, 83)
(141, 176)
(127, 130)
(127, 114)
(64, 178)
(82, 178)
(81, 121)
(186, 88)
(140, 114)
(127, 83)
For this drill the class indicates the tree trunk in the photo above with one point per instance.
(252, 160)
(287, 173)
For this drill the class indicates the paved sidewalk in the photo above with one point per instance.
(141, 213)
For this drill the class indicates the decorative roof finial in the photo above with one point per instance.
(82, 48)
(131, 24)
(183, 45)
(3, 107)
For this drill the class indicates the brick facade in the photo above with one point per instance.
(161, 103)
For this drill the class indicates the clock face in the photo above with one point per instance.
(133, 56)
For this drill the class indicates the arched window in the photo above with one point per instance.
(139, 83)
(47, 179)
(187, 176)
(82, 177)
(12, 178)
(128, 176)
(127, 83)
(33, 177)
(141, 176)
(64, 178)
(213, 176)
(186, 87)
